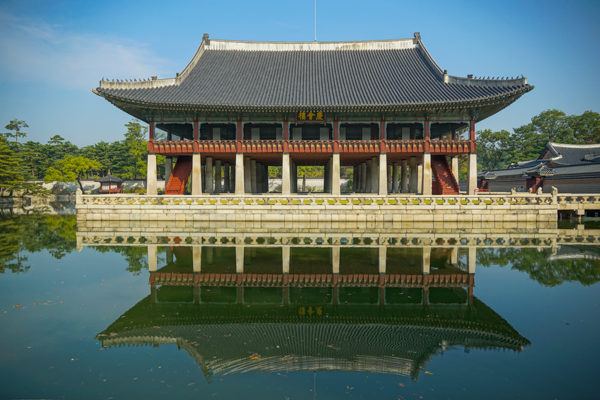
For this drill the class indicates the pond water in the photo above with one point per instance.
(284, 316)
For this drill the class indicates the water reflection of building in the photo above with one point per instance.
(283, 308)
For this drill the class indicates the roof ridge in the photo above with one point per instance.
(241, 45)
(575, 146)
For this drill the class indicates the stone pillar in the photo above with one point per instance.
(420, 178)
(374, 175)
(197, 258)
(427, 178)
(426, 260)
(455, 169)
(152, 259)
(239, 174)
(390, 176)
(286, 178)
(168, 168)
(285, 259)
(231, 178)
(472, 184)
(382, 184)
(335, 259)
(335, 174)
(226, 178)
(363, 177)
(218, 176)
(247, 175)
(395, 177)
(151, 188)
(404, 188)
(472, 259)
(259, 178)
(253, 176)
(266, 168)
(239, 259)
(196, 174)
(382, 259)
(208, 171)
(414, 176)
(326, 176)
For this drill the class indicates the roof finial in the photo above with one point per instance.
(206, 39)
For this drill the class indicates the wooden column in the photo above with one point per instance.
(285, 133)
(336, 135)
(196, 130)
(427, 134)
(382, 146)
(472, 143)
(151, 130)
(239, 135)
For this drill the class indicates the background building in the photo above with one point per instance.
(571, 168)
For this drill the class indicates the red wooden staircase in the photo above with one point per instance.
(179, 176)
(444, 181)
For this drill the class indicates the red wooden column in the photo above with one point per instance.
(472, 142)
(151, 130)
(196, 130)
(239, 135)
(336, 135)
(196, 135)
(427, 135)
(382, 144)
(286, 135)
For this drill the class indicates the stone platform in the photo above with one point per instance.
(510, 208)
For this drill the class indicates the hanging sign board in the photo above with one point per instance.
(318, 116)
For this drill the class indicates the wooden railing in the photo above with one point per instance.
(359, 146)
(405, 146)
(413, 146)
(310, 146)
(449, 146)
(261, 146)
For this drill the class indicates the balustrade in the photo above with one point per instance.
(186, 147)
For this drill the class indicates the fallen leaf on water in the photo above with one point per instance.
(254, 356)
(428, 373)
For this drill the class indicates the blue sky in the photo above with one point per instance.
(55, 52)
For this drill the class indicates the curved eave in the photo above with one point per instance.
(503, 100)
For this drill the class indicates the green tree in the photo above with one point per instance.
(499, 149)
(136, 146)
(493, 149)
(11, 175)
(15, 127)
(70, 169)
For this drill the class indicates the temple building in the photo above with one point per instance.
(382, 113)
(571, 168)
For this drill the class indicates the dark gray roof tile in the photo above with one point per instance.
(326, 75)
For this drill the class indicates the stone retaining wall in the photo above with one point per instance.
(319, 209)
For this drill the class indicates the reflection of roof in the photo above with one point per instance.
(332, 76)
(227, 339)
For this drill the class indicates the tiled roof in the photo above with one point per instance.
(572, 154)
(331, 76)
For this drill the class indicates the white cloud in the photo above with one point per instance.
(39, 52)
